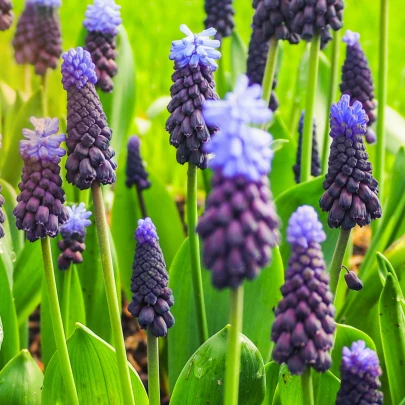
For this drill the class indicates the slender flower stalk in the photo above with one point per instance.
(153, 369)
(307, 388)
(270, 70)
(65, 307)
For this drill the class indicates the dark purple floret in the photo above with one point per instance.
(353, 282)
(359, 373)
(316, 163)
(152, 298)
(135, 171)
(220, 16)
(6, 15)
(2, 215)
(304, 326)
(239, 228)
(310, 16)
(24, 41)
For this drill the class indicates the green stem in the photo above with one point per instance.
(334, 76)
(382, 95)
(307, 388)
(67, 281)
(337, 259)
(141, 202)
(57, 324)
(232, 371)
(111, 293)
(27, 78)
(194, 245)
(44, 83)
(270, 70)
(306, 157)
(153, 369)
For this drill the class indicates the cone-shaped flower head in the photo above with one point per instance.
(152, 298)
(89, 151)
(73, 234)
(357, 80)
(240, 225)
(40, 210)
(360, 371)
(316, 163)
(272, 19)
(136, 173)
(193, 84)
(102, 21)
(351, 190)
(304, 325)
(6, 14)
(310, 16)
(220, 16)
(24, 41)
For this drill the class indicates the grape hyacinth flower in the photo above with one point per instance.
(304, 326)
(24, 38)
(310, 16)
(360, 371)
(102, 21)
(40, 210)
(152, 298)
(193, 84)
(240, 225)
(6, 15)
(357, 80)
(351, 190)
(316, 163)
(136, 173)
(88, 142)
(73, 235)
(220, 16)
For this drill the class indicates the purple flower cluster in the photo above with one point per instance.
(135, 170)
(6, 14)
(103, 16)
(220, 16)
(2, 215)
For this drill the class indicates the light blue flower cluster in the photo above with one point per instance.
(46, 3)
(77, 68)
(146, 232)
(347, 120)
(103, 16)
(360, 360)
(304, 227)
(351, 38)
(237, 148)
(195, 49)
(77, 222)
(42, 143)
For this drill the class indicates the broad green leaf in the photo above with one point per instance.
(272, 370)
(202, 378)
(392, 324)
(238, 56)
(1, 333)
(95, 371)
(21, 381)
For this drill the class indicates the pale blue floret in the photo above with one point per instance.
(304, 227)
(46, 3)
(146, 232)
(42, 143)
(78, 220)
(195, 49)
(351, 38)
(77, 68)
(103, 16)
(360, 360)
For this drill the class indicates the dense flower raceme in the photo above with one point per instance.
(304, 326)
(351, 190)
(360, 371)
(193, 84)
(102, 19)
(152, 298)
(89, 151)
(220, 16)
(40, 210)
(6, 14)
(38, 38)
(316, 163)
(240, 225)
(135, 170)
(310, 16)
(357, 80)
(73, 235)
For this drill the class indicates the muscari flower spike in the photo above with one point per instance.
(89, 151)
(135, 171)
(240, 225)
(357, 79)
(351, 190)
(102, 21)
(315, 162)
(360, 371)
(193, 84)
(6, 14)
(73, 233)
(24, 41)
(40, 210)
(220, 16)
(152, 298)
(304, 325)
